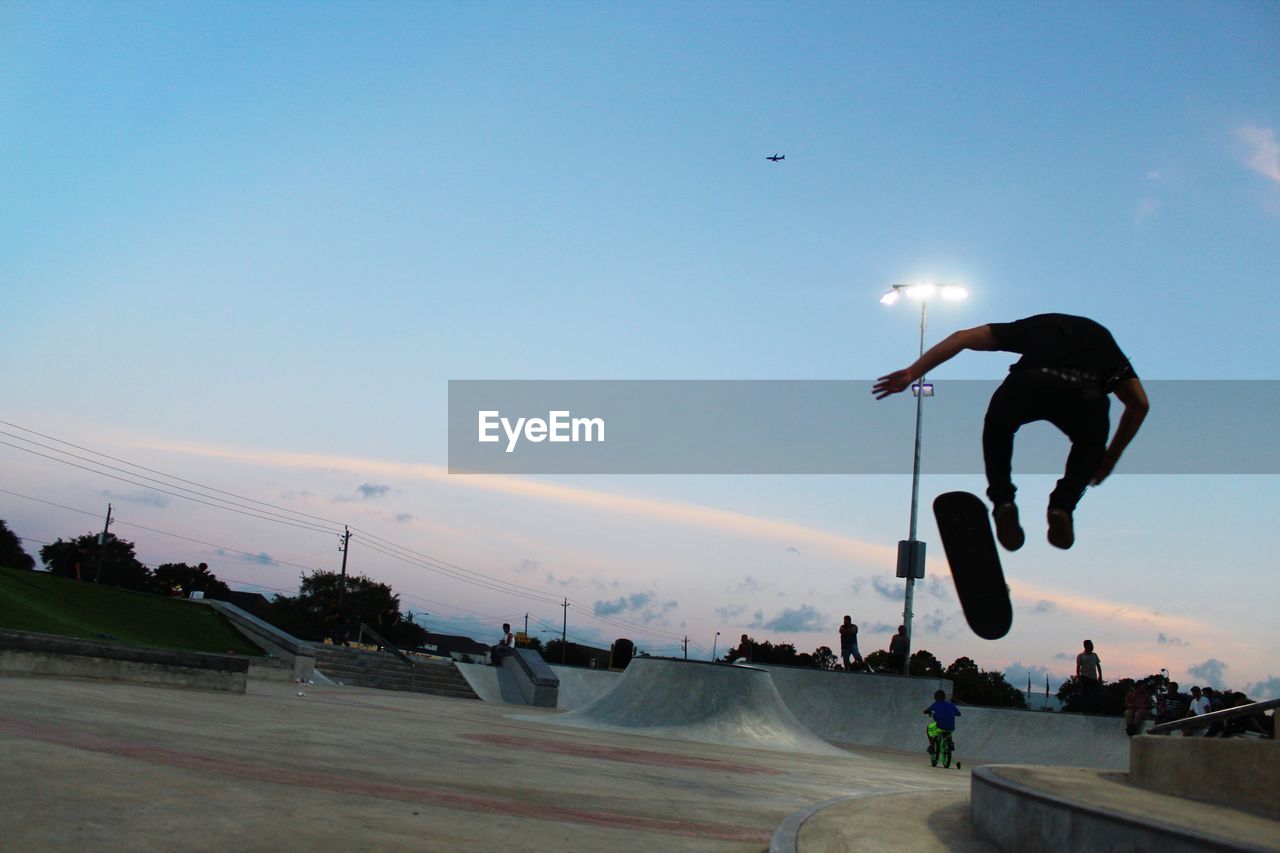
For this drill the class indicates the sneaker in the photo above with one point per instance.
(1008, 530)
(1062, 532)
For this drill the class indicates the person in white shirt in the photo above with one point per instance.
(1199, 707)
(504, 647)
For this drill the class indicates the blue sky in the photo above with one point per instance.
(248, 245)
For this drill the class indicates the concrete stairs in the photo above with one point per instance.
(385, 671)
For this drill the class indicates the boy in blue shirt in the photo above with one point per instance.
(944, 717)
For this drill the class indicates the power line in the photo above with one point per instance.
(370, 540)
(538, 621)
(426, 561)
(161, 473)
(274, 561)
(300, 525)
(493, 585)
(118, 520)
(587, 610)
(477, 579)
(50, 503)
(446, 569)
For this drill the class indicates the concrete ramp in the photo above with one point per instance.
(859, 708)
(885, 711)
(690, 700)
(579, 685)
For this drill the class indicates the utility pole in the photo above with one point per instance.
(686, 647)
(564, 631)
(526, 626)
(342, 582)
(102, 547)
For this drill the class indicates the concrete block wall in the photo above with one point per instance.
(1238, 772)
(25, 653)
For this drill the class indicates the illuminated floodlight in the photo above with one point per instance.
(954, 292)
(922, 292)
(890, 296)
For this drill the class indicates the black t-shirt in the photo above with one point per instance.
(1074, 349)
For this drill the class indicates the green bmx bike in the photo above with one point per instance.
(941, 746)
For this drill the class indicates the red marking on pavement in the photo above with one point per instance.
(313, 698)
(64, 736)
(614, 753)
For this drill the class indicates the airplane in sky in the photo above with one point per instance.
(776, 157)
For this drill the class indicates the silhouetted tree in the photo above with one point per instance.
(982, 687)
(305, 615)
(783, 653)
(824, 658)
(573, 654)
(167, 576)
(879, 661)
(408, 634)
(1110, 697)
(111, 564)
(12, 555)
(923, 663)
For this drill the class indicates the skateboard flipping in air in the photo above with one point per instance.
(975, 563)
(1069, 368)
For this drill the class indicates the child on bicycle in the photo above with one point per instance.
(944, 719)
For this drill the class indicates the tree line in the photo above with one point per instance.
(970, 683)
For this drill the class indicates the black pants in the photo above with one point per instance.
(1090, 694)
(1080, 413)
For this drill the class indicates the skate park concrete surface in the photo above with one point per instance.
(97, 765)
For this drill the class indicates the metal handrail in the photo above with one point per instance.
(380, 640)
(1224, 714)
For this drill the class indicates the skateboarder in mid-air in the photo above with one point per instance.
(1069, 367)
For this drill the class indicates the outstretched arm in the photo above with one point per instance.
(1134, 397)
(977, 338)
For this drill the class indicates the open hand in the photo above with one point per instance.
(895, 382)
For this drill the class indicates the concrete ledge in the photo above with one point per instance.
(25, 653)
(538, 685)
(1052, 809)
(1237, 772)
(276, 669)
(299, 655)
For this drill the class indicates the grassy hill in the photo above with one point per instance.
(36, 601)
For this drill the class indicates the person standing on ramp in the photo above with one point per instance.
(1069, 367)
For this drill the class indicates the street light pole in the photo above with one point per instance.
(909, 597)
(911, 558)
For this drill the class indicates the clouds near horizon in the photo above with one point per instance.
(791, 620)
